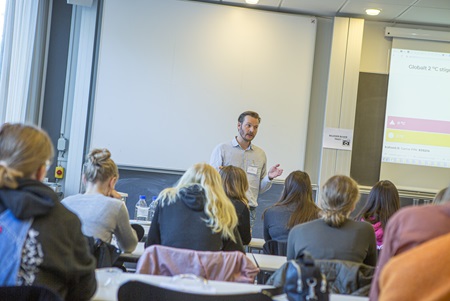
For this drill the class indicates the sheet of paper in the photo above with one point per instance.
(338, 138)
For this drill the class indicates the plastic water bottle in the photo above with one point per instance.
(152, 209)
(142, 210)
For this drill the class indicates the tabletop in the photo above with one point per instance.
(110, 279)
(267, 262)
(133, 256)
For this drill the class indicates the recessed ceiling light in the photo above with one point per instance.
(252, 1)
(373, 11)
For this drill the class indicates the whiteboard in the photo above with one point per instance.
(173, 77)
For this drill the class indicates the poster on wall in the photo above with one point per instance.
(336, 138)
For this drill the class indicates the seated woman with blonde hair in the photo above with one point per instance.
(41, 243)
(100, 208)
(335, 235)
(196, 214)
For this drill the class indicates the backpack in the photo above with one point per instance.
(13, 233)
(105, 253)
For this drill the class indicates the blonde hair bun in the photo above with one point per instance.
(99, 166)
(98, 156)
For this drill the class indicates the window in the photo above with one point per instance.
(2, 19)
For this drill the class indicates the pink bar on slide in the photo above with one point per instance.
(420, 125)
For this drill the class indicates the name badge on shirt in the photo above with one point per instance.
(252, 170)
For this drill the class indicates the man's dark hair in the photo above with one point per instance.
(249, 113)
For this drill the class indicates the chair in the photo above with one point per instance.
(139, 231)
(226, 266)
(27, 293)
(274, 247)
(139, 291)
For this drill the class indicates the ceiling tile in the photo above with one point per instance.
(433, 3)
(426, 15)
(388, 11)
(322, 7)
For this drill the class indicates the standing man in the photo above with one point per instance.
(242, 153)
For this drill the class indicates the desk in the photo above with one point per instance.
(135, 255)
(255, 243)
(109, 292)
(333, 297)
(268, 263)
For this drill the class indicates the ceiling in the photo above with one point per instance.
(425, 12)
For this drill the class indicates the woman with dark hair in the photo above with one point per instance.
(383, 201)
(294, 207)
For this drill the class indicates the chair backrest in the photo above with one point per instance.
(225, 266)
(139, 291)
(27, 293)
(139, 231)
(274, 247)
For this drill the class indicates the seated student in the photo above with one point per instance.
(100, 208)
(295, 206)
(334, 235)
(235, 185)
(383, 201)
(439, 198)
(408, 228)
(41, 242)
(421, 273)
(196, 214)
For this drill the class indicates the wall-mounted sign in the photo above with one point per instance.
(338, 138)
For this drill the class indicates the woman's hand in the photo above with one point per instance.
(115, 194)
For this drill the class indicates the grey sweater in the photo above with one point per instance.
(103, 216)
(353, 241)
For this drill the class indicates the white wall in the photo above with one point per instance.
(318, 97)
(375, 48)
(374, 58)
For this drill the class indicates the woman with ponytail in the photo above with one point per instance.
(41, 242)
(335, 235)
(100, 208)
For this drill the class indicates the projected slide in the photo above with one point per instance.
(417, 127)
